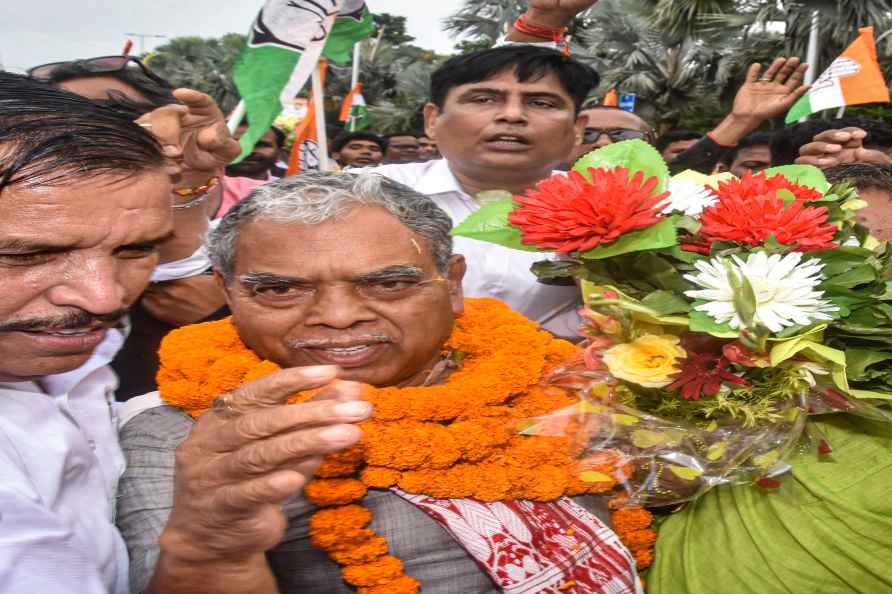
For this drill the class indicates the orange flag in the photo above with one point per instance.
(305, 150)
(854, 77)
(611, 99)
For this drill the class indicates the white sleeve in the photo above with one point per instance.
(39, 552)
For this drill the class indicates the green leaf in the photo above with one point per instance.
(664, 303)
(701, 322)
(853, 277)
(634, 155)
(806, 175)
(490, 223)
(661, 235)
(858, 360)
(556, 268)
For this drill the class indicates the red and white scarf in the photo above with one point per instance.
(528, 547)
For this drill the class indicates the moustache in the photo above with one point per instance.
(338, 342)
(69, 321)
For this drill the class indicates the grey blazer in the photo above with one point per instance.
(145, 497)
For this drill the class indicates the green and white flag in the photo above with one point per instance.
(282, 49)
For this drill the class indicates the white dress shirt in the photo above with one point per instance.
(59, 468)
(493, 270)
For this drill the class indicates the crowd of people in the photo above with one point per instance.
(121, 221)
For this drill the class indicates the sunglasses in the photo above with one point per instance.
(591, 135)
(100, 65)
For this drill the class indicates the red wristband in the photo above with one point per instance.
(526, 28)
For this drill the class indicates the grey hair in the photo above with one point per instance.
(315, 197)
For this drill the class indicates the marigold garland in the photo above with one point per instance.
(457, 439)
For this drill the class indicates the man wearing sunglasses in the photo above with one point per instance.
(606, 125)
(108, 77)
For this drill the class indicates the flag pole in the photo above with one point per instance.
(319, 107)
(354, 79)
(236, 117)
(813, 50)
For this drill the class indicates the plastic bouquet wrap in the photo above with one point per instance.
(720, 314)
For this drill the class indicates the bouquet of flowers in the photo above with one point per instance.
(720, 314)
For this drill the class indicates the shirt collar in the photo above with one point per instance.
(438, 179)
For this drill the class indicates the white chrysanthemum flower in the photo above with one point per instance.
(688, 198)
(784, 287)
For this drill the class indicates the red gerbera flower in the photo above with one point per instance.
(702, 374)
(752, 186)
(746, 218)
(568, 213)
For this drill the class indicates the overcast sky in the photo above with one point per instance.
(34, 32)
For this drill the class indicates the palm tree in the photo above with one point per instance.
(480, 20)
(201, 64)
(839, 21)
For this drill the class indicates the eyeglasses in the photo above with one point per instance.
(591, 135)
(100, 65)
(285, 293)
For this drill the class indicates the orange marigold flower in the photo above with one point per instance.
(342, 463)
(363, 553)
(347, 516)
(570, 213)
(378, 477)
(402, 585)
(377, 573)
(327, 492)
(644, 558)
(479, 438)
(630, 519)
(342, 539)
(639, 539)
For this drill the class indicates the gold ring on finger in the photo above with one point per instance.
(222, 405)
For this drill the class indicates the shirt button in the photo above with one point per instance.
(92, 445)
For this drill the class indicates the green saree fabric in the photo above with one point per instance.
(827, 530)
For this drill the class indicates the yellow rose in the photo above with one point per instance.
(647, 361)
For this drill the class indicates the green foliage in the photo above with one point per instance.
(394, 28)
(201, 64)
(634, 155)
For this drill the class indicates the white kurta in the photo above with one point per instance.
(59, 468)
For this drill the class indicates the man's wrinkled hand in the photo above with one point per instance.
(241, 462)
(839, 147)
(194, 134)
(767, 95)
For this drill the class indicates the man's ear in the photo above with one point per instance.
(221, 282)
(579, 129)
(457, 269)
(431, 113)
(336, 156)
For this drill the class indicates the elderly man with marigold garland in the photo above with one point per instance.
(443, 494)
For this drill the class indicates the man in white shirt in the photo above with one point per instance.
(85, 201)
(504, 119)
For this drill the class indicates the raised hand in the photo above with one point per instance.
(194, 134)
(768, 95)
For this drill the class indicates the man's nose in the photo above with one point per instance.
(337, 307)
(513, 110)
(95, 286)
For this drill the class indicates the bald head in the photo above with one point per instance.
(622, 125)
